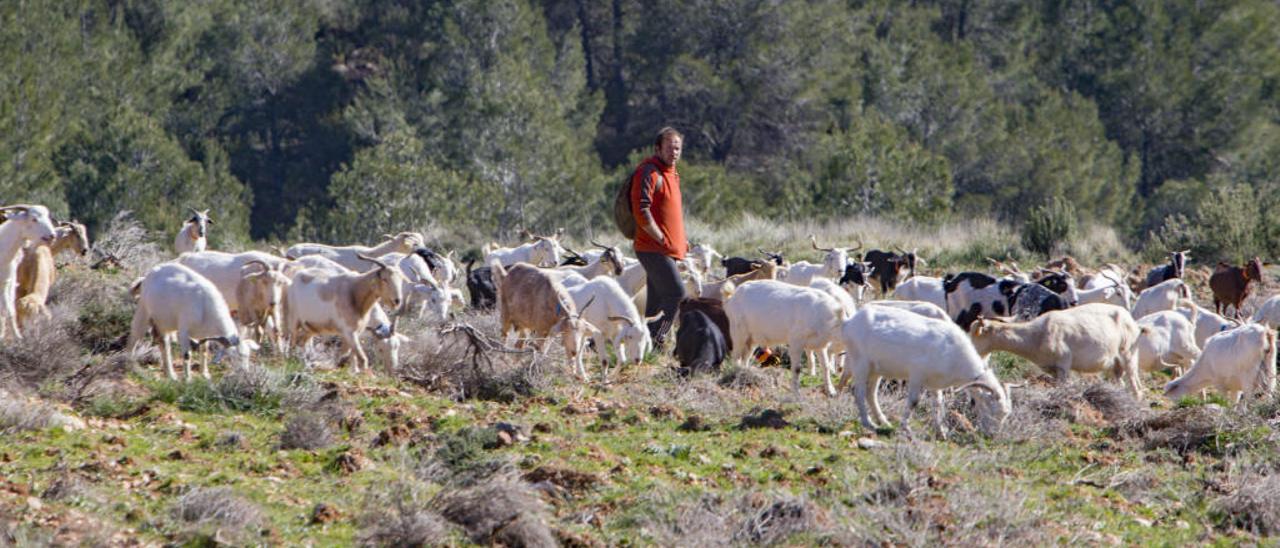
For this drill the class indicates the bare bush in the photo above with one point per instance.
(776, 521)
(400, 517)
(466, 363)
(46, 353)
(125, 242)
(1208, 429)
(220, 513)
(257, 386)
(306, 430)
(731, 520)
(18, 414)
(95, 306)
(1253, 507)
(501, 510)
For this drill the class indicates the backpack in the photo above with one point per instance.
(622, 217)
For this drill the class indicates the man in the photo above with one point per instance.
(660, 239)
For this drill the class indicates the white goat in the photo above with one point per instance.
(259, 294)
(617, 318)
(226, 270)
(930, 354)
(922, 288)
(769, 312)
(23, 225)
(182, 306)
(1168, 341)
(926, 309)
(1269, 313)
(428, 295)
(704, 256)
(348, 256)
(1107, 286)
(544, 251)
(1207, 323)
(1234, 362)
(192, 237)
(1166, 295)
(802, 272)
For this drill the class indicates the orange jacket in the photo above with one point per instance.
(665, 206)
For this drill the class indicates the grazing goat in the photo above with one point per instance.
(617, 318)
(887, 267)
(1234, 362)
(722, 289)
(930, 354)
(1168, 340)
(349, 256)
(1175, 268)
(320, 302)
(608, 263)
(714, 309)
(386, 341)
(544, 251)
(1207, 323)
(1166, 295)
(700, 343)
(22, 224)
(531, 300)
(1231, 285)
(484, 294)
(973, 294)
(36, 270)
(1087, 339)
(769, 312)
(180, 305)
(430, 296)
(192, 237)
(922, 288)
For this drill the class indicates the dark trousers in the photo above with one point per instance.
(662, 283)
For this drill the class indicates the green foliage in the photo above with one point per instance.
(344, 119)
(1049, 227)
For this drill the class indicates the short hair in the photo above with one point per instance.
(666, 133)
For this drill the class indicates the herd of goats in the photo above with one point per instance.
(932, 333)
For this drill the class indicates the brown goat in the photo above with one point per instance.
(722, 289)
(531, 300)
(36, 271)
(1231, 284)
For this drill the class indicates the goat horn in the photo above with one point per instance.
(584, 307)
(598, 244)
(619, 319)
(814, 240)
(371, 259)
(979, 384)
(858, 247)
(265, 266)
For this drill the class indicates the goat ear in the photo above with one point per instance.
(655, 317)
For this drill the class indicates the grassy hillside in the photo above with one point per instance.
(482, 446)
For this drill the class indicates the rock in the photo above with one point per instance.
(769, 418)
(694, 424)
(1143, 522)
(323, 513)
(396, 434)
(664, 411)
(34, 503)
(177, 454)
(516, 432)
(868, 443)
(66, 422)
(350, 462)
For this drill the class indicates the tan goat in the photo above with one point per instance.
(531, 300)
(721, 290)
(319, 302)
(36, 271)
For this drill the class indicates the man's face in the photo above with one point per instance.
(669, 152)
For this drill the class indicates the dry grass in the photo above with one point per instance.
(1253, 506)
(129, 244)
(399, 516)
(46, 353)
(306, 430)
(502, 510)
(18, 414)
(218, 514)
